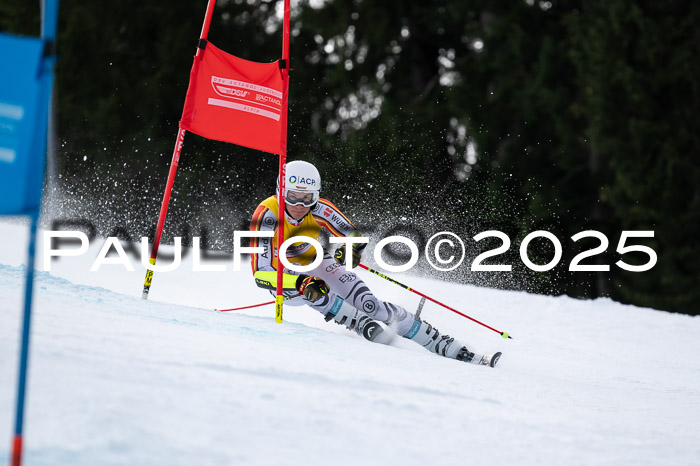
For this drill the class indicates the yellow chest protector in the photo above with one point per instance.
(301, 253)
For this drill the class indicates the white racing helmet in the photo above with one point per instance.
(303, 184)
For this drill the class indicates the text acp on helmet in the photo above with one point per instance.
(301, 180)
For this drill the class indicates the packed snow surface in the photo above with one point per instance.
(115, 379)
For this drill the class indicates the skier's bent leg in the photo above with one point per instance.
(394, 316)
(335, 308)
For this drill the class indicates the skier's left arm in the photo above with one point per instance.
(333, 220)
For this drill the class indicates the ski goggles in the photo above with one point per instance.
(307, 199)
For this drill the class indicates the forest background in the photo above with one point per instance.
(447, 115)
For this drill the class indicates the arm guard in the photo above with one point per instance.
(268, 280)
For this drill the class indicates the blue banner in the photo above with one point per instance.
(25, 85)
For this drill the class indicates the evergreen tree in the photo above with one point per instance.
(637, 68)
(556, 115)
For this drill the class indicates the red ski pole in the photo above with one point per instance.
(503, 334)
(245, 307)
(284, 298)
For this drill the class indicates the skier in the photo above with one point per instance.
(330, 288)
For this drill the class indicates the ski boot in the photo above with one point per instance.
(480, 359)
(343, 313)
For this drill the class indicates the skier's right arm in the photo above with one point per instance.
(311, 287)
(263, 220)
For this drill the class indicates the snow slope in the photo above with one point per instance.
(116, 380)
